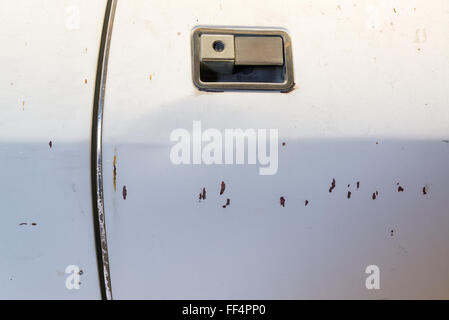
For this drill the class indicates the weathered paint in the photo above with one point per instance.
(369, 110)
(45, 130)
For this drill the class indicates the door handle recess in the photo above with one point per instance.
(242, 59)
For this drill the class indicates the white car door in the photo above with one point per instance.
(355, 205)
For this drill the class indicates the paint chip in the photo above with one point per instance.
(223, 187)
(332, 185)
(124, 192)
(203, 194)
(424, 190)
(228, 202)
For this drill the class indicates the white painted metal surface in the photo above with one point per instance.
(370, 105)
(48, 62)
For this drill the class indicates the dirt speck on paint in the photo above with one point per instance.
(400, 189)
(50, 144)
(124, 192)
(339, 7)
(306, 203)
(394, 9)
(282, 201)
(358, 185)
(178, 33)
(34, 224)
(23, 224)
(114, 170)
(222, 188)
(283, 144)
(391, 233)
(228, 202)
(374, 196)
(23, 105)
(349, 195)
(332, 185)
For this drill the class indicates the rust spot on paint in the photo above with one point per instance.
(394, 9)
(282, 201)
(124, 192)
(306, 203)
(349, 195)
(358, 185)
(114, 171)
(178, 33)
(223, 187)
(203, 194)
(424, 190)
(400, 189)
(228, 202)
(50, 144)
(332, 185)
(377, 142)
(85, 81)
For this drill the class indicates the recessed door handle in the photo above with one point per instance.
(232, 59)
